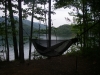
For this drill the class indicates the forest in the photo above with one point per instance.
(64, 30)
(85, 23)
(84, 56)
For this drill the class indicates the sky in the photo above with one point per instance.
(57, 19)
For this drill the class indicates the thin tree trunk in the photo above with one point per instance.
(84, 23)
(21, 47)
(13, 29)
(45, 19)
(94, 23)
(30, 43)
(6, 31)
(49, 23)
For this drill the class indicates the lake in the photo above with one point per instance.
(26, 47)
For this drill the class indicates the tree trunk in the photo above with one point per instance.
(49, 23)
(45, 12)
(30, 43)
(21, 47)
(13, 29)
(84, 23)
(6, 31)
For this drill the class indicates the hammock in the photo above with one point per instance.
(58, 47)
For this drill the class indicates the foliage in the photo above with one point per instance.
(86, 23)
(38, 10)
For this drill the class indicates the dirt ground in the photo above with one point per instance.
(63, 65)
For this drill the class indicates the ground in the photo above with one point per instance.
(63, 65)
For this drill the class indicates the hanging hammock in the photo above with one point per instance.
(51, 48)
(58, 47)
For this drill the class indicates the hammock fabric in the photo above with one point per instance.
(58, 47)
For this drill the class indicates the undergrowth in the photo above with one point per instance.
(91, 53)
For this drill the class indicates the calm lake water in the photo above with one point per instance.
(26, 47)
